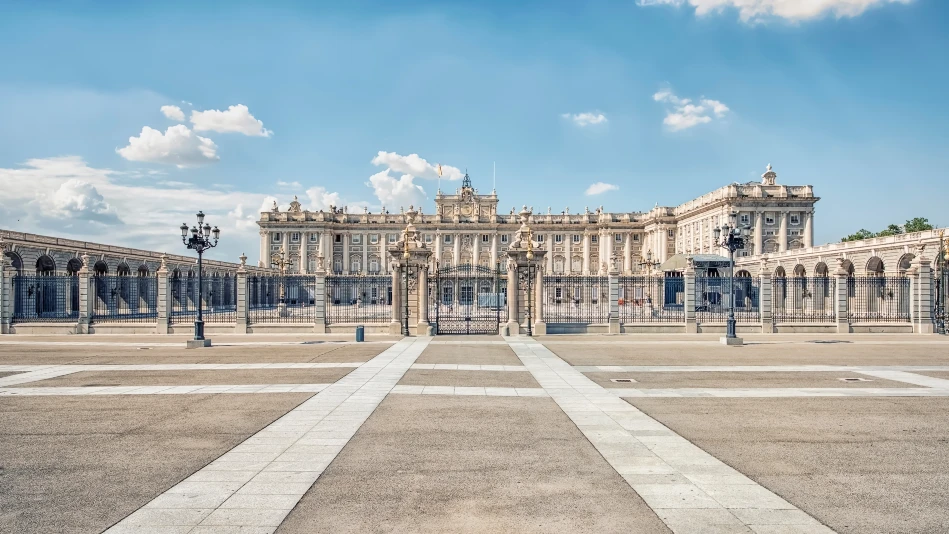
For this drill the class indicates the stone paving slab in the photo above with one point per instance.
(77, 465)
(421, 377)
(469, 354)
(858, 465)
(776, 379)
(189, 377)
(8, 373)
(110, 353)
(473, 464)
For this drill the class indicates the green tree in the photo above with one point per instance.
(859, 235)
(893, 229)
(917, 224)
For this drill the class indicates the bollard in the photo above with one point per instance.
(360, 333)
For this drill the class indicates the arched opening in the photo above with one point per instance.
(800, 271)
(821, 269)
(906, 261)
(100, 268)
(45, 266)
(780, 273)
(143, 271)
(123, 269)
(848, 267)
(743, 274)
(15, 261)
(73, 266)
(875, 267)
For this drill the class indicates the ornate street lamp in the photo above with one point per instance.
(731, 237)
(530, 294)
(202, 238)
(281, 261)
(648, 262)
(405, 302)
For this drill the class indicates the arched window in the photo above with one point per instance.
(100, 268)
(780, 273)
(821, 269)
(143, 271)
(800, 271)
(123, 269)
(905, 263)
(45, 266)
(743, 274)
(15, 260)
(875, 267)
(73, 266)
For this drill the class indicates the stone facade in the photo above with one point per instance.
(467, 227)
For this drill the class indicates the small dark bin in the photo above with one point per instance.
(360, 333)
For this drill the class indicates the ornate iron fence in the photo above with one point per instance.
(40, 298)
(467, 299)
(803, 300)
(649, 299)
(877, 299)
(712, 299)
(218, 299)
(125, 299)
(282, 299)
(358, 299)
(576, 299)
(940, 293)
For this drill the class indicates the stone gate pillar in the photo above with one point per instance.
(164, 296)
(6, 293)
(513, 327)
(87, 296)
(424, 328)
(319, 296)
(922, 295)
(765, 302)
(614, 300)
(395, 326)
(540, 325)
(691, 327)
(841, 304)
(241, 298)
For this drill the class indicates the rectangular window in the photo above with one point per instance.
(504, 239)
(373, 239)
(314, 238)
(447, 239)
(311, 265)
(338, 265)
(769, 219)
(576, 238)
(374, 266)
(672, 233)
(540, 238)
(594, 239)
(277, 237)
(338, 238)
(428, 238)
(357, 239)
(795, 219)
(636, 237)
(619, 238)
(484, 238)
(558, 292)
(295, 237)
(558, 238)
(354, 265)
(745, 218)
(392, 238)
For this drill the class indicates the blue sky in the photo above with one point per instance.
(848, 96)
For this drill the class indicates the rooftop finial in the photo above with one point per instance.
(466, 181)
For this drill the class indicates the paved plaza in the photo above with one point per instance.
(587, 433)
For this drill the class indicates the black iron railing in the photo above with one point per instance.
(940, 293)
(879, 299)
(40, 298)
(713, 295)
(650, 299)
(467, 299)
(358, 299)
(281, 299)
(125, 299)
(803, 300)
(576, 299)
(218, 304)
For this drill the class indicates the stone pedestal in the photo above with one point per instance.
(197, 343)
(731, 341)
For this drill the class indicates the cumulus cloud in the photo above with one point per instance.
(599, 188)
(177, 146)
(80, 200)
(793, 10)
(173, 112)
(416, 166)
(396, 192)
(321, 199)
(585, 119)
(682, 113)
(235, 119)
(291, 185)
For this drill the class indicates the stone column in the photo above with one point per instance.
(614, 301)
(6, 293)
(326, 245)
(494, 250)
(164, 305)
(456, 249)
(586, 254)
(345, 240)
(550, 252)
(303, 253)
(921, 295)
(765, 300)
(663, 234)
(286, 245)
(242, 300)
(540, 325)
(568, 252)
(601, 252)
(759, 232)
(395, 327)
(783, 231)
(87, 296)
(264, 249)
(513, 326)
(438, 245)
(424, 328)
(809, 229)
(842, 304)
(628, 254)
(364, 268)
(690, 324)
(476, 249)
(319, 300)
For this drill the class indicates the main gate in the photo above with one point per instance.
(467, 299)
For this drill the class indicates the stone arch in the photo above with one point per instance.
(779, 272)
(821, 269)
(100, 268)
(875, 266)
(906, 261)
(45, 265)
(848, 267)
(15, 260)
(143, 270)
(73, 266)
(800, 271)
(123, 269)
(743, 274)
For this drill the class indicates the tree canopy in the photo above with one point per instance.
(916, 224)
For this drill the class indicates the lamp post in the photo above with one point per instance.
(201, 239)
(405, 302)
(530, 294)
(281, 262)
(648, 262)
(731, 237)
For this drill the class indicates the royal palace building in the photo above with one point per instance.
(469, 228)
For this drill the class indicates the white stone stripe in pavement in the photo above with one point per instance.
(469, 390)
(753, 368)
(909, 378)
(185, 366)
(180, 345)
(256, 484)
(690, 490)
(163, 390)
(34, 376)
(469, 367)
(780, 392)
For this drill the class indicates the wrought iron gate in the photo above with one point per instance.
(467, 299)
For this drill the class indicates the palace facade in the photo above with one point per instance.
(468, 228)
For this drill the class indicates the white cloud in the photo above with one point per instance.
(600, 188)
(585, 119)
(793, 10)
(396, 192)
(173, 112)
(177, 146)
(236, 119)
(244, 221)
(77, 199)
(294, 185)
(416, 166)
(682, 114)
(321, 199)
